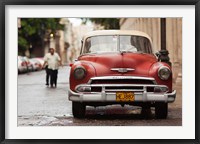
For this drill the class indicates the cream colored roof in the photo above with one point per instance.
(116, 32)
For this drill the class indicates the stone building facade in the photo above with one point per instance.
(78, 33)
(68, 42)
(152, 26)
(62, 41)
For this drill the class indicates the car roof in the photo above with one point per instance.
(116, 32)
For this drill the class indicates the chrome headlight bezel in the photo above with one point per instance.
(79, 72)
(164, 73)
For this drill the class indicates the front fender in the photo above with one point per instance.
(90, 72)
(153, 72)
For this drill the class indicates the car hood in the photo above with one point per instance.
(132, 64)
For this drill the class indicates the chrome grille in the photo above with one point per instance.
(93, 88)
(120, 83)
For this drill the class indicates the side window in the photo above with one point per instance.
(87, 47)
(141, 43)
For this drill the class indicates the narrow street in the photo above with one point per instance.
(39, 105)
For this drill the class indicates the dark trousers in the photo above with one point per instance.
(47, 75)
(53, 78)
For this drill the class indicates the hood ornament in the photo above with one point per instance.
(122, 70)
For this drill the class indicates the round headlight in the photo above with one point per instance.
(164, 73)
(79, 73)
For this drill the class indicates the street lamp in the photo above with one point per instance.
(163, 53)
(51, 35)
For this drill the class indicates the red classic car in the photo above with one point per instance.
(119, 67)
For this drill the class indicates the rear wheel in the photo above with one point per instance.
(78, 109)
(161, 110)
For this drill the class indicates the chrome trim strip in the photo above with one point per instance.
(118, 90)
(121, 77)
(122, 70)
(121, 85)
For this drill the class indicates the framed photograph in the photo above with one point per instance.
(99, 71)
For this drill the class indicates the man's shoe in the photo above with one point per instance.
(47, 84)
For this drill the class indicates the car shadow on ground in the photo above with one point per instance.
(122, 114)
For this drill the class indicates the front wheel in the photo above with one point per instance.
(161, 110)
(78, 109)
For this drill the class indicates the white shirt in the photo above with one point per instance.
(52, 60)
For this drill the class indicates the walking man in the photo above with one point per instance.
(53, 61)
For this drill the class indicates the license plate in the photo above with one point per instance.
(125, 96)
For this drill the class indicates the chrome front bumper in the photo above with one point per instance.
(109, 95)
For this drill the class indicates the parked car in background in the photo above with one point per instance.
(41, 61)
(36, 64)
(28, 63)
(22, 66)
(119, 67)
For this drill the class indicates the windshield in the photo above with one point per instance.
(114, 43)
